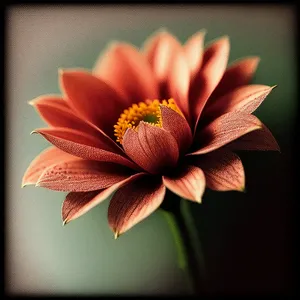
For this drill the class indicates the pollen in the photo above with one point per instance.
(148, 111)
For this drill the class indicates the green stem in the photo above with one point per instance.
(190, 224)
(182, 259)
(190, 257)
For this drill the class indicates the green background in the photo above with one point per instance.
(246, 237)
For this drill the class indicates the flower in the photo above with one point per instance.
(166, 116)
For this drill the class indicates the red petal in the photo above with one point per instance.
(223, 170)
(238, 74)
(85, 146)
(177, 126)
(151, 147)
(188, 182)
(213, 67)
(225, 129)
(50, 99)
(246, 98)
(194, 51)
(78, 203)
(44, 160)
(82, 176)
(92, 99)
(56, 112)
(127, 70)
(262, 140)
(134, 202)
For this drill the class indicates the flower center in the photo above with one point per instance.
(147, 111)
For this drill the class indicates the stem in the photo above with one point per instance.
(194, 239)
(182, 258)
(190, 257)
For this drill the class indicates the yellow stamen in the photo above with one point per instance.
(147, 111)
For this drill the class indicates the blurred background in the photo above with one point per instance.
(246, 237)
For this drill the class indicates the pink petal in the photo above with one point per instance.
(83, 145)
(152, 148)
(246, 99)
(158, 49)
(177, 126)
(45, 159)
(188, 182)
(92, 99)
(238, 74)
(261, 140)
(194, 51)
(179, 81)
(82, 176)
(213, 66)
(134, 202)
(127, 70)
(224, 130)
(56, 112)
(223, 170)
(169, 64)
(78, 203)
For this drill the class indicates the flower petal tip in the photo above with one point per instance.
(24, 184)
(113, 44)
(31, 102)
(257, 60)
(65, 222)
(39, 183)
(223, 41)
(243, 189)
(161, 31)
(33, 132)
(63, 74)
(258, 127)
(224, 38)
(60, 71)
(200, 34)
(164, 29)
(116, 235)
(254, 59)
(199, 200)
(278, 149)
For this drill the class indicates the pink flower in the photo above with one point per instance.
(167, 116)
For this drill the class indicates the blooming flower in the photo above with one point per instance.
(166, 116)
